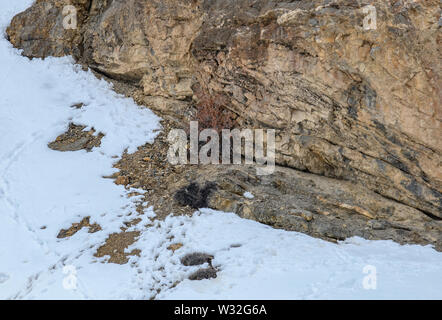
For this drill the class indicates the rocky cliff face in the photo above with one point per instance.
(356, 108)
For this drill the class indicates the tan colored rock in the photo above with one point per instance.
(122, 180)
(348, 103)
(146, 42)
(84, 223)
(175, 246)
(75, 138)
(40, 32)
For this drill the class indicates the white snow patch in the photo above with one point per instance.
(259, 262)
(248, 195)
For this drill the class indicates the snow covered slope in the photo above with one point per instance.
(43, 191)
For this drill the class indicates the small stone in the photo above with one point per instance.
(201, 274)
(77, 105)
(377, 225)
(197, 258)
(174, 247)
(306, 215)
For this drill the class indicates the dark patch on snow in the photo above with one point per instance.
(195, 196)
(201, 274)
(196, 258)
